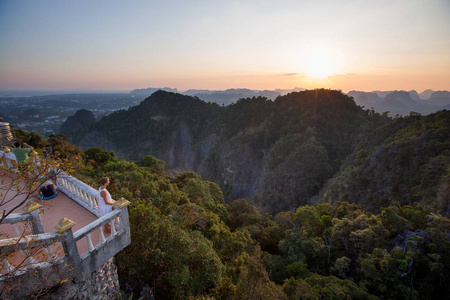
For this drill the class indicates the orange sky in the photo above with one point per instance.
(113, 45)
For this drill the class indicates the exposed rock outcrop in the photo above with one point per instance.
(102, 284)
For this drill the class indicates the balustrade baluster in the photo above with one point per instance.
(7, 267)
(70, 187)
(102, 235)
(29, 259)
(113, 227)
(80, 193)
(77, 191)
(87, 198)
(74, 188)
(119, 221)
(91, 200)
(16, 229)
(89, 240)
(51, 254)
(118, 224)
(82, 196)
(64, 183)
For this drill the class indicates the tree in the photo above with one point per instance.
(98, 156)
(156, 165)
(173, 261)
(248, 279)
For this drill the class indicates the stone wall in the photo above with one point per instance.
(101, 284)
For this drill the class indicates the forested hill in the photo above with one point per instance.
(277, 153)
(405, 162)
(156, 126)
(188, 244)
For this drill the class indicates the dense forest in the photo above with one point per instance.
(372, 221)
(406, 162)
(275, 154)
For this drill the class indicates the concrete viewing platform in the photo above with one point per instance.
(53, 241)
(51, 212)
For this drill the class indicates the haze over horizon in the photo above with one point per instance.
(216, 45)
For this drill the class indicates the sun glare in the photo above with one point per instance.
(319, 65)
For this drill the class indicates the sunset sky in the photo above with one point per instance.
(125, 45)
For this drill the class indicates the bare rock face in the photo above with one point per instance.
(181, 155)
(95, 139)
(102, 284)
(237, 168)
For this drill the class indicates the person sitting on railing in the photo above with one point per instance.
(48, 189)
(105, 201)
(21, 153)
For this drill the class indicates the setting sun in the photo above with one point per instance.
(320, 65)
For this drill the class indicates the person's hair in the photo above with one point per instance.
(103, 180)
(16, 144)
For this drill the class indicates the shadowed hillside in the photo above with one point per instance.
(277, 153)
(406, 162)
(187, 243)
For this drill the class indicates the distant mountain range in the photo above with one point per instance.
(403, 102)
(394, 102)
(221, 97)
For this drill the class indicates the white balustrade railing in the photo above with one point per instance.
(114, 219)
(38, 255)
(79, 191)
(37, 249)
(45, 242)
(24, 245)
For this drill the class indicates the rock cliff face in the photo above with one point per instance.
(102, 284)
(180, 155)
(237, 168)
(95, 139)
